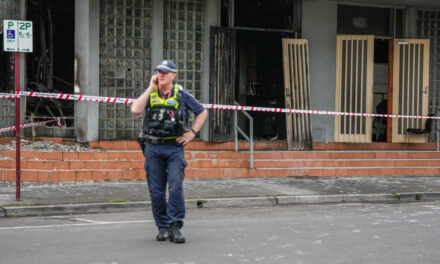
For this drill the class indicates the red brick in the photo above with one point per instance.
(104, 165)
(7, 164)
(124, 164)
(134, 174)
(107, 175)
(116, 155)
(59, 165)
(29, 176)
(114, 175)
(202, 173)
(7, 153)
(54, 155)
(129, 174)
(188, 155)
(84, 175)
(85, 156)
(106, 144)
(94, 145)
(98, 175)
(70, 155)
(100, 156)
(234, 173)
(200, 155)
(77, 165)
(9, 175)
(33, 164)
(31, 155)
(62, 176)
(200, 164)
(43, 176)
(141, 173)
(137, 164)
(133, 145)
(133, 155)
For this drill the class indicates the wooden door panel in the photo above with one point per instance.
(354, 87)
(410, 87)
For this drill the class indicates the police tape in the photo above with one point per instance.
(36, 124)
(101, 99)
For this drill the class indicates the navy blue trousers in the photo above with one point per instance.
(166, 164)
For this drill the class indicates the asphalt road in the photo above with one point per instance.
(338, 233)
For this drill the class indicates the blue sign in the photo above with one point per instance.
(10, 34)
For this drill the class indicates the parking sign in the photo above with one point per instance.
(17, 36)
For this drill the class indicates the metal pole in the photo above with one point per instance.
(251, 141)
(235, 131)
(437, 131)
(17, 123)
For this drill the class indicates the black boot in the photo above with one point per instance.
(175, 235)
(162, 236)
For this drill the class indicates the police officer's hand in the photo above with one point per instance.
(185, 138)
(153, 81)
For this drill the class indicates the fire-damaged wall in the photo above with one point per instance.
(126, 50)
(9, 9)
(124, 63)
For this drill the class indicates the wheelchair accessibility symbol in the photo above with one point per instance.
(10, 34)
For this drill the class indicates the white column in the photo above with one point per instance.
(86, 114)
(156, 34)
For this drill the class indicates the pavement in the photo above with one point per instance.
(39, 199)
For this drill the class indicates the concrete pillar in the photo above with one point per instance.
(411, 25)
(319, 26)
(157, 34)
(86, 114)
(211, 15)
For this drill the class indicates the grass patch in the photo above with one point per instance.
(119, 201)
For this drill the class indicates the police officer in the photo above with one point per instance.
(165, 105)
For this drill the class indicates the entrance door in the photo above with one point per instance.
(354, 87)
(222, 83)
(297, 92)
(410, 87)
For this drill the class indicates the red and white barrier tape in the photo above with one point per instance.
(12, 128)
(91, 98)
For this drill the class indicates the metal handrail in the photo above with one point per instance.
(249, 138)
(437, 130)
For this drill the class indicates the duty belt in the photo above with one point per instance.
(162, 141)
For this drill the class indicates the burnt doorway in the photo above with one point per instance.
(259, 79)
(50, 68)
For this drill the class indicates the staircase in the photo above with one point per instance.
(107, 161)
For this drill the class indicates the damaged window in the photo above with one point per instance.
(50, 68)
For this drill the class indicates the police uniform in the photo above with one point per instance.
(164, 158)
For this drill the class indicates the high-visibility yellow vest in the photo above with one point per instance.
(156, 100)
(163, 119)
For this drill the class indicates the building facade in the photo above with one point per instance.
(349, 56)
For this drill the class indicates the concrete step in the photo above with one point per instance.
(129, 164)
(101, 164)
(27, 175)
(258, 155)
